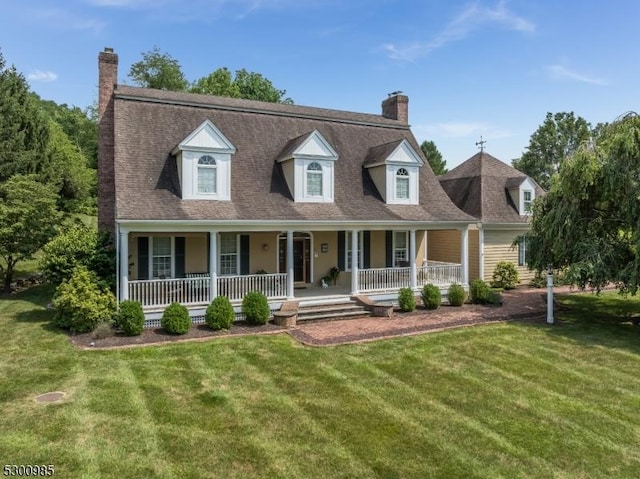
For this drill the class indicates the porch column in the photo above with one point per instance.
(464, 254)
(412, 258)
(481, 252)
(290, 264)
(213, 265)
(124, 264)
(354, 262)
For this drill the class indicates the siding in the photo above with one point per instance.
(497, 247)
(474, 254)
(444, 245)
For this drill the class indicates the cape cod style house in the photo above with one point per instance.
(216, 196)
(500, 198)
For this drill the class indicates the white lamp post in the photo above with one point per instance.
(549, 295)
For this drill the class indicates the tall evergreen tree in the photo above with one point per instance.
(434, 157)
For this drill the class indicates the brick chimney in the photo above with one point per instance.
(107, 79)
(396, 107)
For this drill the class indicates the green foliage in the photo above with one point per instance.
(103, 330)
(494, 297)
(130, 317)
(220, 83)
(505, 275)
(431, 296)
(24, 131)
(176, 319)
(559, 136)
(81, 303)
(158, 70)
(434, 157)
(589, 222)
(479, 291)
(255, 307)
(244, 84)
(406, 300)
(28, 217)
(456, 295)
(220, 313)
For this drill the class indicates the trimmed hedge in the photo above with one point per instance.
(130, 318)
(479, 291)
(220, 313)
(176, 319)
(406, 300)
(456, 295)
(505, 275)
(431, 296)
(255, 307)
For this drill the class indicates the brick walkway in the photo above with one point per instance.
(522, 303)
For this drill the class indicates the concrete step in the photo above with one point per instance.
(331, 311)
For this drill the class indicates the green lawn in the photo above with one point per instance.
(505, 400)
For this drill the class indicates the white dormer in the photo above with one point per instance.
(522, 192)
(394, 168)
(204, 164)
(308, 163)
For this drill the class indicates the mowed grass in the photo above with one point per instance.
(507, 400)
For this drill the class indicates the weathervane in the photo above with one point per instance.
(481, 144)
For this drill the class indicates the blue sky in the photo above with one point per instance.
(470, 68)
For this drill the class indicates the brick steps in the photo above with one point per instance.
(346, 310)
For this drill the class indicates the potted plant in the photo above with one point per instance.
(334, 272)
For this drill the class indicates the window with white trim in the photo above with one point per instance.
(402, 184)
(527, 200)
(348, 250)
(228, 254)
(314, 179)
(522, 251)
(207, 175)
(161, 261)
(400, 248)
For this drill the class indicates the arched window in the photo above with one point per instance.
(207, 174)
(402, 184)
(314, 179)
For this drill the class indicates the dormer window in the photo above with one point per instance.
(314, 179)
(527, 200)
(207, 175)
(402, 184)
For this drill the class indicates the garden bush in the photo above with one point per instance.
(505, 275)
(103, 330)
(130, 318)
(255, 307)
(431, 296)
(456, 295)
(479, 291)
(406, 300)
(81, 303)
(176, 319)
(220, 313)
(494, 297)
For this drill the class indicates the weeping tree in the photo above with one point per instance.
(589, 221)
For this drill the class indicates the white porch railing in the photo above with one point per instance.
(439, 273)
(162, 292)
(387, 279)
(195, 290)
(235, 287)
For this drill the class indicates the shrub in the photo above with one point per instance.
(256, 308)
(104, 329)
(81, 303)
(220, 313)
(538, 281)
(479, 291)
(494, 297)
(406, 299)
(130, 318)
(456, 295)
(505, 275)
(176, 319)
(431, 296)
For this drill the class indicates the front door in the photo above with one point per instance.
(301, 258)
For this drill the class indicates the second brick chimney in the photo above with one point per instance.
(396, 107)
(107, 79)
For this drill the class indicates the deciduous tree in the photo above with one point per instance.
(158, 70)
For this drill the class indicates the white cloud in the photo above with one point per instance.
(39, 75)
(560, 72)
(65, 20)
(473, 17)
(452, 130)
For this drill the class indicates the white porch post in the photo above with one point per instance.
(464, 254)
(290, 264)
(354, 262)
(425, 255)
(412, 257)
(124, 264)
(481, 252)
(213, 264)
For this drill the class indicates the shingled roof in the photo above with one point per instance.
(480, 185)
(150, 123)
